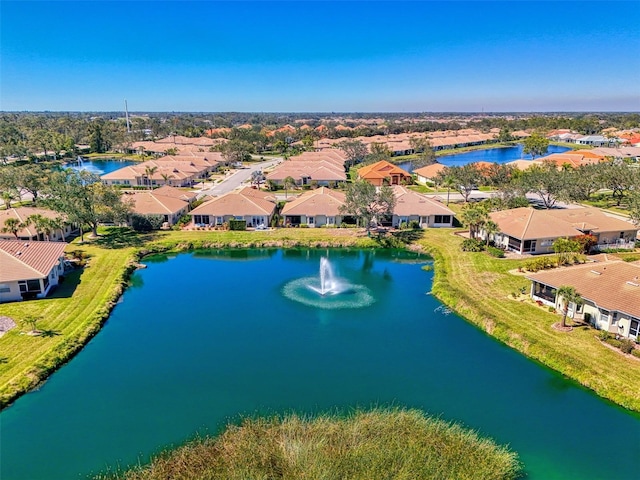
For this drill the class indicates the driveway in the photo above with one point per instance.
(237, 177)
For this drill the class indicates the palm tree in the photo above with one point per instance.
(490, 228)
(166, 177)
(286, 183)
(7, 198)
(31, 321)
(148, 173)
(568, 295)
(39, 223)
(475, 216)
(12, 225)
(448, 183)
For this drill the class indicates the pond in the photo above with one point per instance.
(496, 155)
(100, 167)
(202, 338)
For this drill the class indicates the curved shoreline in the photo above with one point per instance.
(444, 289)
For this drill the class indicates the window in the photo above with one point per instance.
(46, 282)
(4, 288)
(604, 315)
(622, 235)
(442, 219)
(311, 220)
(529, 246)
(634, 328)
(219, 220)
(331, 220)
(546, 243)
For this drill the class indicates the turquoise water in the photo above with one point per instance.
(100, 167)
(202, 338)
(496, 155)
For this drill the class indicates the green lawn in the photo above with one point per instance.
(68, 318)
(474, 284)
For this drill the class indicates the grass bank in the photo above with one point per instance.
(68, 319)
(365, 445)
(479, 288)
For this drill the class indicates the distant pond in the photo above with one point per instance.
(496, 155)
(201, 338)
(100, 167)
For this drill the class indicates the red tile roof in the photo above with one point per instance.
(22, 260)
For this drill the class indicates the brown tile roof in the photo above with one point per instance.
(429, 171)
(168, 191)
(409, 203)
(21, 214)
(591, 218)
(381, 169)
(148, 203)
(244, 202)
(527, 223)
(610, 285)
(321, 201)
(20, 260)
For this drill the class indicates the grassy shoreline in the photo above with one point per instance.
(360, 445)
(474, 285)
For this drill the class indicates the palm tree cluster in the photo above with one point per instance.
(44, 226)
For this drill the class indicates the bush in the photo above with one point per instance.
(603, 335)
(627, 346)
(552, 310)
(472, 245)
(414, 224)
(303, 225)
(613, 342)
(403, 226)
(539, 263)
(146, 223)
(495, 252)
(237, 224)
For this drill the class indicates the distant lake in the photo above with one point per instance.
(497, 155)
(100, 167)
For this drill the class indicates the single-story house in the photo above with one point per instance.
(610, 291)
(383, 173)
(412, 206)
(428, 173)
(28, 230)
(154, 203)
(527, 230)
(29, 269)
(315, 208)
(254, 206)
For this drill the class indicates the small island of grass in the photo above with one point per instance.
(364, 445)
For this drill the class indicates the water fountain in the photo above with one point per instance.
(327, 290)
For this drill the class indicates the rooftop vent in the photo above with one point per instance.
(633, 284)
(596, 272)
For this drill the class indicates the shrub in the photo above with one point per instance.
(414, 224)
(613, 342)
(495, 252)
(146, 223)
(552, 310)
(303, 225)
(603, 335)
(472, 245)
(627, 346)
(237, 224)
(403, 226)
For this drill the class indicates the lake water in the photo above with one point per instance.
(202, 338)
(496, 155)
(100, 167)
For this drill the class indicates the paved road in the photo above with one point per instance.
(237, 178)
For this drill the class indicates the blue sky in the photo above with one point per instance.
(320, 56)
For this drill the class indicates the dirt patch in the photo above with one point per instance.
(6, 324)
(558, 326)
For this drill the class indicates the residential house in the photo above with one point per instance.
(254, 206)
(324, 168)
(315, 208)
(610, 291)
(412, 206)
(527, 230)
(383, 173)
(30, 269)
(28, 230)
(428, 173)
(164, 202)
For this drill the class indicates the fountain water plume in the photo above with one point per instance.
(327, 291)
